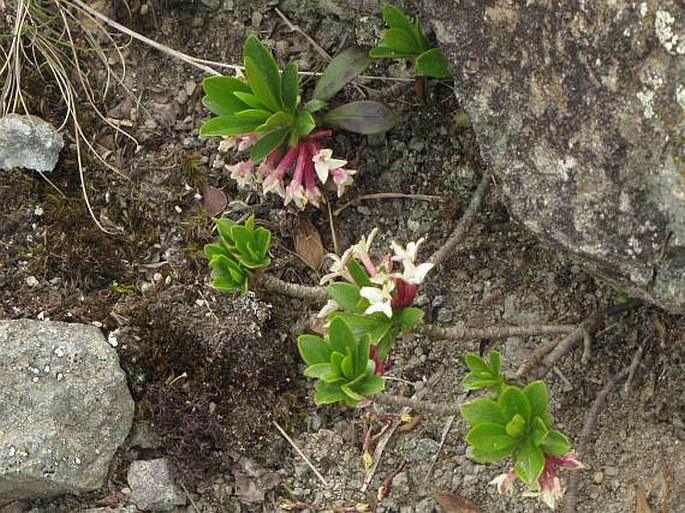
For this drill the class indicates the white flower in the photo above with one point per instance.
(549, 494)
(338, 267)
(323, 163)
(330, 307)
(361, 248)
(410, 253)
(416, 274)
(242, 172)
(505, 482)
(412, 273)
(342, 178)
(379, 298)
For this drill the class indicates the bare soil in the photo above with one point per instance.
(211, 373)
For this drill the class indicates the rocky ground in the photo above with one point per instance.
(210, 373)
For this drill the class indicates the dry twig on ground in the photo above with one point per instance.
(544, 358)
(464, 223)
(463, 332)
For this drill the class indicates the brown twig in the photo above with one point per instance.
(272, 283)
(464, 223)
(460, 333)
(589, 425)
(544, 362)
(418, 404)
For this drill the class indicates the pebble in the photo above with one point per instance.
(611, 471)
(598, 477)
(32, 281)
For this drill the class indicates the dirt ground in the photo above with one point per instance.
(210, 373)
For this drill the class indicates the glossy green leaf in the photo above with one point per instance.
(409, 317)
(487, 457)
(219, 97)
(477, 365)
(513, 401)
(473, 382)
(538, 431)
(432, 63)
(384, 338)
(352, 395)
(363, 117)
(267, 143)
(516, 426)
(305, 124)
(538, 397)
(395, 18)
(491, 439)
(481, 411)
(400, 40)
(228, 125)
(556, 444)
(315, 105)
(370, 385)
(211, 250)
(290, 86)
(252, 101)
(323, 371)
(344, 68)
(384, 52)
(340, 335)
(530, 461)
(495, 362)
(313, 349)
(360, 356)
(347, 366)
(277, 121)
(358, 273)
(345, 294)
(262, 73)
(256, 114)
(328, 393)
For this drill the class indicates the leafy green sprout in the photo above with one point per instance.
(515, 423)
(241, 251)
(405, 40)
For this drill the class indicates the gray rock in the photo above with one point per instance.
(28, 142)
(152, 488)
(579, 109)
(64, 408)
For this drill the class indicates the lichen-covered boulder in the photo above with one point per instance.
(64, 408)
(579, 109)
(28, 142)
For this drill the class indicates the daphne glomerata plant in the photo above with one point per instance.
(263, 113)
(515, 423)
(370, 303)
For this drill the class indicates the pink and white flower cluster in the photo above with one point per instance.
(392, 289)
(312, 166)
(548, 487)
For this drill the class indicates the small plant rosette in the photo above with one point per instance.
(515, 424)
(264, 114)
(240, 253)
(341, 365)
(405, 40)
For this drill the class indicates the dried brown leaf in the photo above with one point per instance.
(641, 505)
(213, 200)
(308, 243)
(410, 421)
(452, 503)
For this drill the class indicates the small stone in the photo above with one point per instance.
(189, 87)
(28, 142)
(611, 471)
(152, 488)
(32, 281)
(598, 477)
